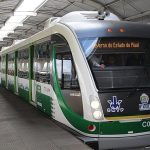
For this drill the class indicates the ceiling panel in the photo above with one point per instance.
(124, 9)
(142, 5)
(84, 6)
(104, 2)
(133, 10)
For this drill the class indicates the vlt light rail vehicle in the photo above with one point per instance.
(89, 71)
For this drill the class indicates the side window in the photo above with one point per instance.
(42, 62)
(11, 64)
(66, 71)
(23, 64)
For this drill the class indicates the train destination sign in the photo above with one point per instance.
(119, 44)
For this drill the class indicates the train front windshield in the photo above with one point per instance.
(118, 63)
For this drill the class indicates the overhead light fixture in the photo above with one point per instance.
(17, 24)
(16, 19)
(5, 32)
(26, 5)
(21, 13)
(25, 13)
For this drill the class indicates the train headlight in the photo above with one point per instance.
(96, 108)
(95, 104)
(97, 114)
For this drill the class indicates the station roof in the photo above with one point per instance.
(129, 10)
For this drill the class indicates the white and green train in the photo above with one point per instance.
(90, 73)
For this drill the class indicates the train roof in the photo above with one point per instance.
(87, 24)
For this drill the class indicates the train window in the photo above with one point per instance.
(113, 67)
(0, 64)
(23, 63)
(42, 62)
(66, 71)
(118, 62)
(115, 60)
(134, 59)
(11, 64)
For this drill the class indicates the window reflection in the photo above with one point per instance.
(11, 65)
(112, 60)
(23, 67)
(67, 76)
(118, 62)
(42, 63)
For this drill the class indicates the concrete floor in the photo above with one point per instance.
(22, 127)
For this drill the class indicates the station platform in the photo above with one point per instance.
(22, 127)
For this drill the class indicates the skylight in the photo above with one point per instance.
(21, 13)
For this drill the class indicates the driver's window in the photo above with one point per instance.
(66, 71)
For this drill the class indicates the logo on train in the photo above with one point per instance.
(115, 105)
(144, 98)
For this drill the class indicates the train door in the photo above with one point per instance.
(0, 70)
(35, 75)
(3, 73)
(23, 73)
(16, 72)
(31, 76)
(6, 69)
(67, 78)
(11, 72)
(33, 101)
